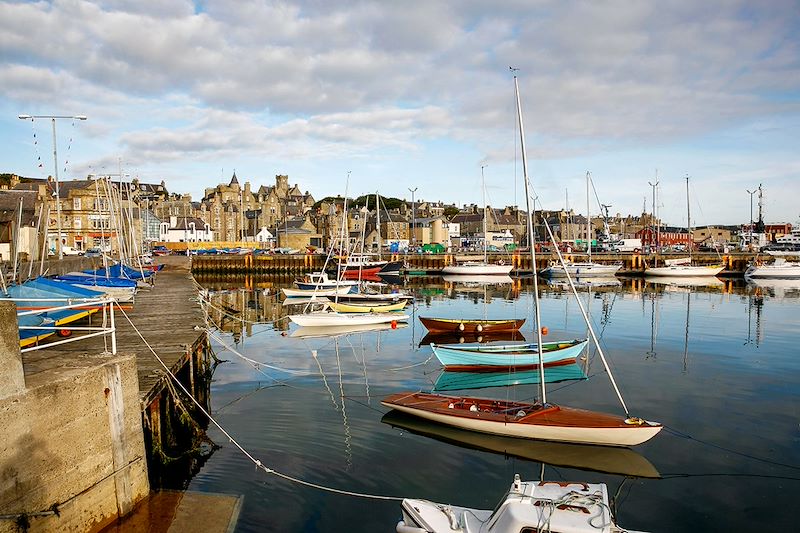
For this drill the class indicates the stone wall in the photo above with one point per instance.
(72, 452)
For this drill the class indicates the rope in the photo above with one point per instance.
(258, 464)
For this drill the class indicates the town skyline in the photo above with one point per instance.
(418, 98)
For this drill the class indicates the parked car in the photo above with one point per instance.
(93, 252)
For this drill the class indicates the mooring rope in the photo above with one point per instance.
(258, 464)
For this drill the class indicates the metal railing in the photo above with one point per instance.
(108, 327)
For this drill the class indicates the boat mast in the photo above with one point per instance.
(588, 220)
(531, 239)
(485, 226)
(689, 220)
(378, 224)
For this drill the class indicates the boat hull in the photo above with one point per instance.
(783, 271)
(490, 357)
(525, 420)
(307, 293)
(342, 319)
(455, 325)
(580, 269)
(478, 269)
(684, 271)
(341, 307)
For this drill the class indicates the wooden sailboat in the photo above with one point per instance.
(461, 325)
(683, 267)
(537, 420)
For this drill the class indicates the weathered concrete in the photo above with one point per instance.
(12, 378)
(72, 443)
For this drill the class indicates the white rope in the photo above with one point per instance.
(253, 361)
(256, 462)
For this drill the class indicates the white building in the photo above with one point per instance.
(185, 229)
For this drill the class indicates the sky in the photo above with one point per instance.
(402, 95)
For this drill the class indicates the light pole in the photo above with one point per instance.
(750, 238)
(413, 217)
(55, 168)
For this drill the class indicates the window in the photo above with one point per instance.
(76, 223)
(76, 204)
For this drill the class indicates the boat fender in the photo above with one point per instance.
(634, 421)
(521, 413)
(473, 408)
(451, 406)
(479, 328)
(545, 331)
(460, 326)
(501, 262)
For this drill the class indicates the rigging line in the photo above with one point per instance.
(742, 454)
(234, 317)
(253, 361)
(730, 474)
(232, 440)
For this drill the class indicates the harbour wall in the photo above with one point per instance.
(632, 264)
(72, 456)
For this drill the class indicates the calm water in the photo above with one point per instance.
(718, 366)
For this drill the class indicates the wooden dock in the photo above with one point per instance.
(166, 315)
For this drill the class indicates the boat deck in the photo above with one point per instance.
(166, 315)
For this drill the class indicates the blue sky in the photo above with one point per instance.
(417, 94)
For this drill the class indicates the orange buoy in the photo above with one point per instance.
(394, 324)
(545, 331)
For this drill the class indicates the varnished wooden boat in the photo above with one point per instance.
(526, 420)
(477, 325)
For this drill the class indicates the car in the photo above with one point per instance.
(93, 252)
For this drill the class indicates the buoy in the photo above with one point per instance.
(545, 330)
(394, 324)
(461, 326)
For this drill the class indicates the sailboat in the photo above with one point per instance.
(480, 267)
(586, 268)
(683, 266)
(535, 420)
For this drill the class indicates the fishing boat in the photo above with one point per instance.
(483, 357)
(449, 380)
(366, 307)
(525, 420)
(779, 269)
(606, 459)
(528, 506)
(460, 325)
(536, 420)
(332, 318)
(683, 267)
(586, 268)
(480, 267)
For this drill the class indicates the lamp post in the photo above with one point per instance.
(413, 217)
(55, 168)
(750, 238)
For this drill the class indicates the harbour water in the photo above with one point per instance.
(717, 365)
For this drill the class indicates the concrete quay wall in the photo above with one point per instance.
(72, 454)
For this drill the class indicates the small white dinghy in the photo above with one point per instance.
(552, 506)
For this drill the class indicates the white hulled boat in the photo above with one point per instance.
(780, 269)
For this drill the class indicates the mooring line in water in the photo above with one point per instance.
(256, 462)
(253, 361)
(742, 454)
(207, 302)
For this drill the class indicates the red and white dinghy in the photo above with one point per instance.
(525, 420)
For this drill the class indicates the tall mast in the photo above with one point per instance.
(483, 187)
(531, 239)
(689, 219)
(378, 223)
(588, 220)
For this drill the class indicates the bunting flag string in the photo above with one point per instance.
(39, 163)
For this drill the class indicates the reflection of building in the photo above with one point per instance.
(236, 312)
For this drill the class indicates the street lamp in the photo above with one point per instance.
(55, 168)
(413, 217)
(750, 239)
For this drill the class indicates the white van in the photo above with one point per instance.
(627, 245)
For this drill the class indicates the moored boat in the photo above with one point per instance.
(483, 357)
(525, 420)
(358, 307)
(780, 269)
(332, 318)
(477, 325)
(528, 506)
